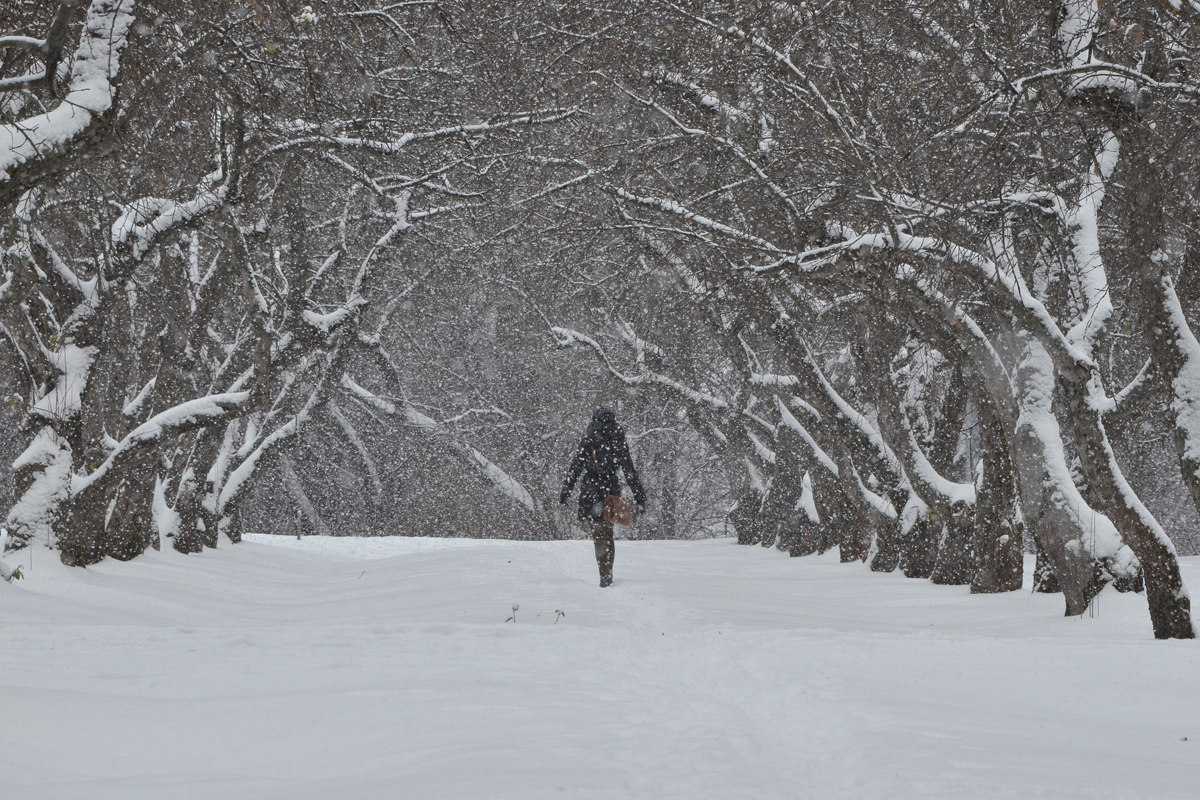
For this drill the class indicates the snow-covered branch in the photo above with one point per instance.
(93, 73)
(193, 413)
(493, 473)
(565, 337)
(398, 142)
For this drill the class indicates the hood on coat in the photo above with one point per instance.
(603, 425)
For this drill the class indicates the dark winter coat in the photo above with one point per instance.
(603, 446)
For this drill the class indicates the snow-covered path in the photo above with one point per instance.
(383, 668)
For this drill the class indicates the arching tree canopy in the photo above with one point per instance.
(913, 280)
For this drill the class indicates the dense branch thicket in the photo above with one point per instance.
(912, 280)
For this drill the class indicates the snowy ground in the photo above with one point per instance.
(384, 668)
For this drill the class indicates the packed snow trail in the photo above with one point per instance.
(384, 668)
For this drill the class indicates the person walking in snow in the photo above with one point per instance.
(601, 453)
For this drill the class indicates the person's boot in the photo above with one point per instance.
(605, 580)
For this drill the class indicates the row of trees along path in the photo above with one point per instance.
(908, 276)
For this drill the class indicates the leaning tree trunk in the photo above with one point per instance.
(834, 510)
(919, 553)
(735, 450)
(1170, 607)
(875, 351)
(1024, 401)
(779, 510)
(1176, 355)
(1037, 451)
(1164, 326)
(188, 538)
(89, 526)
(845, 517)
(803, 536)
(954, 563)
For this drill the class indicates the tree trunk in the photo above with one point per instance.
(887, 545)
(111, 516)
(1170, 607)
(956, 554)
(1042, 475)
(780, 509)
(853, 530)
(887, 536)
(919, 554)
(745, 517)
(999, 549)
(130, 526)
(187, 505)
(1176, 355)
(295, 488)
(832, 508)
(231, 526)
(804, 538)
(1044, 580)
(855, 542)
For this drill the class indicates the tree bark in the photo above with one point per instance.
(746, 517)
(1035, 443)
(887, 544)
(998, 544)
(1170, 606)
(955, 564)
(786, 488)
(919, 554)
(1176, 355)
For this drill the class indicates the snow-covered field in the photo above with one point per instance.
(384, 668)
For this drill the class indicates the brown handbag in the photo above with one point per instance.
(615, 509)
